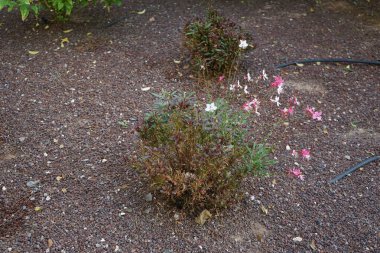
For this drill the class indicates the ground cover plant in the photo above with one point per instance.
(196, 155)
(216, 45)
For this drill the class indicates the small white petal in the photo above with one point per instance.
(246, 89)
(145, 88)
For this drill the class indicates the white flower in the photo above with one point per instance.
(280, 89)
(211, 107)
(249, 78)
(246, 89)
(243, 44)
(276, 100)
(264, 75)
(238, 85)
(232, 87)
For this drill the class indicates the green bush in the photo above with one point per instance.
(61, 8)
(195, 158)
(214, 45)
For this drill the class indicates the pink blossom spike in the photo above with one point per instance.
(291, 110)
(313, 114)
(305, 153)
(221, 78)
(296, 172)
(293, 101)
(278, 81)
(317, 116)
(310, 111)
(247, 107)
(284, 112)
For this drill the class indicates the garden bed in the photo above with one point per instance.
(65, 172)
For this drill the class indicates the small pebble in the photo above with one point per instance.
(32, 184)
(297, 239)
(149, 197)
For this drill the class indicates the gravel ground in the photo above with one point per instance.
(66, 185)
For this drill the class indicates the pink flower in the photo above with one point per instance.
(313, 114)
(220, 78)
(287, 111)
(247, 107)
(305, 153)
(296, 172)
(293, 101)
(317, 116)
(250, 105)
(310, 110)
(278, 81)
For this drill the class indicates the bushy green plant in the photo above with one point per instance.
(214, 45)
(196, 158)
(61, 8)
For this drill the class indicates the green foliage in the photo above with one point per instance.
(214, 45)
(61, 8)
(196, 159)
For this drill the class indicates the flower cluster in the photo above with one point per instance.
(279, 84)
(252, 105)
(304, 153)
(313, 114)
(296, 172)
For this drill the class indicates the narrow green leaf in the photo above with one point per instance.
(24, 10)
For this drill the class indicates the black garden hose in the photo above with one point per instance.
(352, 169)
(328, 60)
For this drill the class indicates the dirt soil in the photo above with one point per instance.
(66, 185)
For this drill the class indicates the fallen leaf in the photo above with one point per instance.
(313, 246)
(260, 237)
(37, 208)
(123, 123)
(141, 12)
(145, 88)
(297, 239)
(68, 31)
(124, 186)
(63, 41)
(50, 243)
(152, 19)
(33, 52)
(64, 190)
(203, 217)
(59, 178)
(318, 63)
(300, 64)
(177, 62)
(264, 209)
